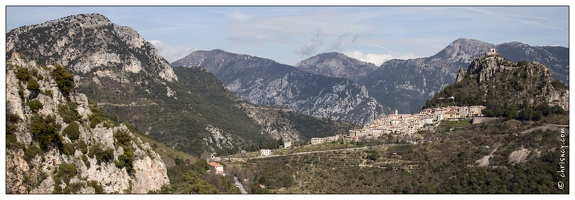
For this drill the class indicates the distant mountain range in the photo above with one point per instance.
(266, 82)
(396, 84)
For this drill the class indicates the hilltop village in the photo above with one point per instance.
(426, 119)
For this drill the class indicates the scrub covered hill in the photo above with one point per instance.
(521, 90)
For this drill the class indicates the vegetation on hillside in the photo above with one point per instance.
(64, 79)
(48, 134)
(445, 166)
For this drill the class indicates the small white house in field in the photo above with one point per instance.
(219, 168)
(287, 144)
(266, 152)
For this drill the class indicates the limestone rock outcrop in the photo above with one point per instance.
(45, 156)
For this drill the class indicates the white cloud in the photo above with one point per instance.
(171, 53)
(287, 27)
(310, 47)
(376, 59)
(239, 16)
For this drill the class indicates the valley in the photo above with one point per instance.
(92, 108)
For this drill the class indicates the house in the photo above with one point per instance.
(266, 152)
(452, 114)
(219, 168)
(287, 144)
(317, 140)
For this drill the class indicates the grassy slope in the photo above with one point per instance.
(444, 166)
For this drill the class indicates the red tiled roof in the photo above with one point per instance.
(214, 164)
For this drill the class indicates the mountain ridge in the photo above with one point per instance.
(265, 82)
(335, 64)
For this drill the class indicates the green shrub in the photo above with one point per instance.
(68, 149)
(104, 155)
(32, 85)
(64, 79)
(35, 105)
(31, 152)
(97, 187)
(45, 131)
(72, 131)
(12, 118)
(23, 74)
(67, 171)
(123, 138)
(202, 164)
(21, 92)
(57, 179)
(82, 146)
(74, 188)
(86, 161)
(12, 142)
(11, 128)
(92, 150)
(68, 111)
(57, 188)
(192, 184)
(126, 161)
(48, 93)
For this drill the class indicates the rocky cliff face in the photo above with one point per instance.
(266, 82)
(84, 44)
(531, 81)
(506, 88)
(336, 65)
(58, 143)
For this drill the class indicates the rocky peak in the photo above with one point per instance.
(335, 64)
(219, 61)
(494, 78)
(462, 50)
(87, 43)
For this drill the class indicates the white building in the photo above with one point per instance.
(317, 140)
(287, 144)
(266, 152)
(219, 168)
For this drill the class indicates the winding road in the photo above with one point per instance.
(239, 185)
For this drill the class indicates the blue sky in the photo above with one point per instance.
(291, 34)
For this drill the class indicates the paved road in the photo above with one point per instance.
(331, 150)
(554, 127)
(239, 185)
